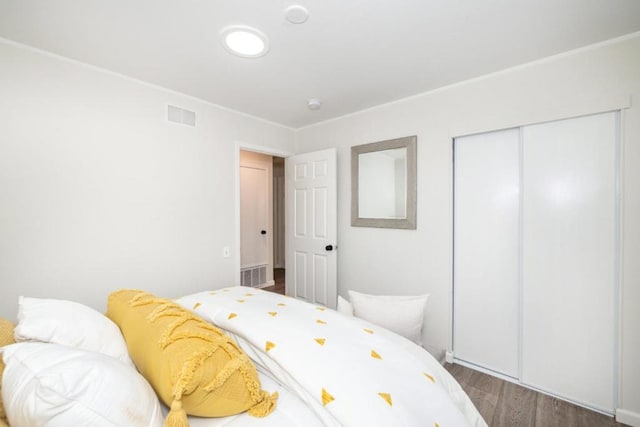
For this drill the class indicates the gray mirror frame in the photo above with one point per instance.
(409, 223)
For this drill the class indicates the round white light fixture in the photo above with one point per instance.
(296, 14)
(314, 104)
(244, 41)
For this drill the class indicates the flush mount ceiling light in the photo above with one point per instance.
(244, 41)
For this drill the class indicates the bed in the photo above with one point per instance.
(315, 366)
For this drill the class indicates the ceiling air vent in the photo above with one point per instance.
(180, 115)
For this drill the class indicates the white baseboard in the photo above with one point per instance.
(448, 357)
(627, 417)
(266, 284)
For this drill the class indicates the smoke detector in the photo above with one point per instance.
(314, 104)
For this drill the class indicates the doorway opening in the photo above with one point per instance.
(262, 221)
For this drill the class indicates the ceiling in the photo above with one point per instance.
(352, 54)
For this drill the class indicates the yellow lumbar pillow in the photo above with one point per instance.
(193, 366)
(6, 338)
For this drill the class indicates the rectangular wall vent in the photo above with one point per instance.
(180, 115)
(254, 276)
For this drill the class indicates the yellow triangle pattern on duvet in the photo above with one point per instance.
(346, 369)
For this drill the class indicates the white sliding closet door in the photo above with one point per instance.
(536, 253)
(569, 258)
(486, 260)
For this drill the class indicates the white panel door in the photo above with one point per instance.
(486, 250)
(569, 258)
(311, 231)
(254, 193)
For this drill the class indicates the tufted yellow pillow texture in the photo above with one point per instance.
(193, 366)
(6, 338)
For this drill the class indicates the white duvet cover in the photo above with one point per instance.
(290, 412)
(347, 371)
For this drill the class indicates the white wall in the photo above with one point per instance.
(407, 262)
(99, 192)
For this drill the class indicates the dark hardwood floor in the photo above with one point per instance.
(278, 277)
(502, 403)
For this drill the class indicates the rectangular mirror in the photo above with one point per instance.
(383, 184)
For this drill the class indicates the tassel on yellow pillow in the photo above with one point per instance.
(6, 338)
(193, 366)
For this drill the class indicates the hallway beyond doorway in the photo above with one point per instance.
(278, 277)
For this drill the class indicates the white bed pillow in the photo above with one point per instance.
(344, 306)
(55, 385)
(403, 315)
(69, 323)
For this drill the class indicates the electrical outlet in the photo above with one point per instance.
(226, 252)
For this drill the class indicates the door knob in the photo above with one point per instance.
(263, 232)
(329, 248)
